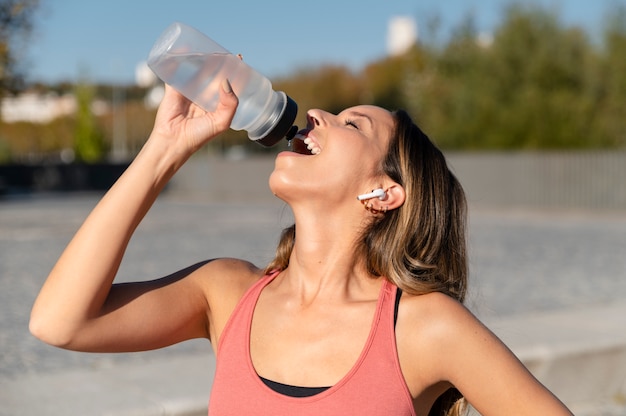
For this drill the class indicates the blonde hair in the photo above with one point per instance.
(420, 246)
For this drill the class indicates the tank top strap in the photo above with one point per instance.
(374, 387)
(245, 307)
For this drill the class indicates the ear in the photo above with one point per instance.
(394, 197)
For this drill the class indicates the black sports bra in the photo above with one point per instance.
(297, 391)
(292, 391)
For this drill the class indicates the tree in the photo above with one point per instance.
(613, 75)
(332, 88)
(16, 23)
(89, 143)
(534, 85)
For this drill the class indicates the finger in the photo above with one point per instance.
(171, 93)
(226, 106)
(174, 99)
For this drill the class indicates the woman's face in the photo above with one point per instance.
(336, 156)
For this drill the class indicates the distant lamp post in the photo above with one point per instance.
(119, 151)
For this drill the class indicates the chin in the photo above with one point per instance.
(287, 187)
(277, 185)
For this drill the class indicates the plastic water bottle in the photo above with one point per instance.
(195, 65)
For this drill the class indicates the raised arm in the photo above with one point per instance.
(77, 308)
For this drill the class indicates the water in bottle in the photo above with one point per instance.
(196, 66)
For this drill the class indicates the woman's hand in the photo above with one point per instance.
(187, 127)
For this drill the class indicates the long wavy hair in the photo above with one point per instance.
(420, 246)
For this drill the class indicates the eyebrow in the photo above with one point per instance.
(363, 115)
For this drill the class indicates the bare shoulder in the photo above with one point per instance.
(436, 313)
(440, 324)
(432, 326)
(224, 281)
(231, 269)
(228, 276)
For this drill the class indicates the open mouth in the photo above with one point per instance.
(305, 145)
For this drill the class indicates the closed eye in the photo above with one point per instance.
(351, 124)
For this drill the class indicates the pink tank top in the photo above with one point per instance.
(374, 386)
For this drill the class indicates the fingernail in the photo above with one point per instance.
(226, 86)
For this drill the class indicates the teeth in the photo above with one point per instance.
(312, 146)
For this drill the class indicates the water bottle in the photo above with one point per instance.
(195, 65)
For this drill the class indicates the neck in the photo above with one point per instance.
(324, 256)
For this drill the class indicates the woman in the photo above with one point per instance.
(325, 321)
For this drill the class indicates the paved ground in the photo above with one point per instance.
(521, 262)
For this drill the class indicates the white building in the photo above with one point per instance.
(37, 108)
(43, 108)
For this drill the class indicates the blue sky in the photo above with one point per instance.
(105, 40)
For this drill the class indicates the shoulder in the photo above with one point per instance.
(230, 269)
(224, 281)
(227, 277)
(435, 317)
(443, 313)
(435, 328)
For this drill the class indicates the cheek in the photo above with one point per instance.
(350, 172)
(340, 165)
(362, 159)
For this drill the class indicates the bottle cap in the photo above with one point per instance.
(283, 126)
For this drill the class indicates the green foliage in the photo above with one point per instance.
(89, 143)
(534, 84)
(5, 151)
(611, 83)
(331, 88)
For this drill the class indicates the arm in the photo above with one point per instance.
(77, 307)
(461, 351)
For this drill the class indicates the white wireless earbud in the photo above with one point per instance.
(376, 193)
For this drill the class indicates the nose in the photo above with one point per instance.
(316, 118)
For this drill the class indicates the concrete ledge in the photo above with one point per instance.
(579, 354)
(176, 387)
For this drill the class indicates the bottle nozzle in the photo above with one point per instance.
(284, 124)
(291, 133)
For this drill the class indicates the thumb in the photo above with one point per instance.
(227, 104)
